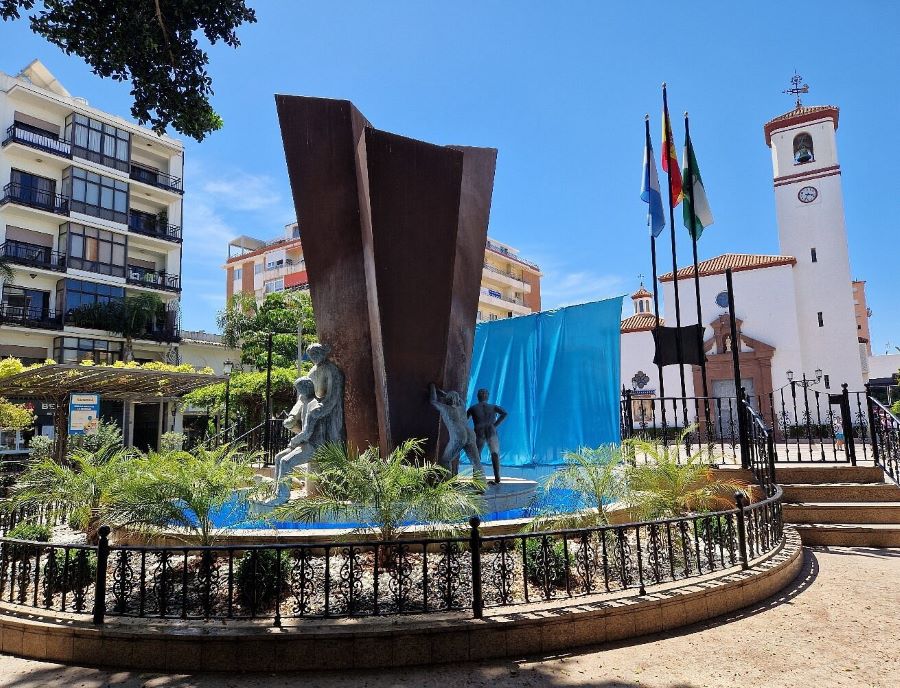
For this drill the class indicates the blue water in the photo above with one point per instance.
(554, 501)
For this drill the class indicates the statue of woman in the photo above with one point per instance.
(329, 387)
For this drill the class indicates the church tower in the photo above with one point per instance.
(810, 213)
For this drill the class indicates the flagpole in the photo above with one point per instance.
(659, 366)
(668, 143)
(689, 154)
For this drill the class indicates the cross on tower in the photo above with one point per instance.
(796, 88)
(641, 278)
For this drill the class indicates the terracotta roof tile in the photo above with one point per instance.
(798, 116)
(736, 261)
(641, 293)
(640, 322)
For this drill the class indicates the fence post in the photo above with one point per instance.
(873, 432)
(849, 447)
(741, 528)
(100, 582)
(771, 448)
(475, 548)
(743, 431)
(628, 419)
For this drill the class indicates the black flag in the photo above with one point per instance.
(667, 345)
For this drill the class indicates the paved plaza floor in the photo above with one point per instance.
(836, 625)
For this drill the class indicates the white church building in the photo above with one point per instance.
(799, 313)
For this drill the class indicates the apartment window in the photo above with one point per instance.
(272, 264)
(98, 142)
(95, 250)
(79, 299)
(32, 189)
(24, 302)
(493, 316)
(238, 273)
(77, 349)
(258, 268)
(94, 194)
(821, 321)
(274, 285)
(827, 382)
(813, 256)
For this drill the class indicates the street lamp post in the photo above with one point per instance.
(267, 433)
(226, 367)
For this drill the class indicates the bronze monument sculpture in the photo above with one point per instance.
(462, 437)
(487, 417)
(382, 215)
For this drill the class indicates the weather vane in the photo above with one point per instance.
(641, 278)
(796, 88)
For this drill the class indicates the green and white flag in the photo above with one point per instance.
(700, 207)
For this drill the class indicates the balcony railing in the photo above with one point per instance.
(30, 316)
(498, 271)
(31, 196)
(34, 256)
(153, 225)
(46, 142)
(497, 295)
(154, 279)
(503, 251)
(156, 178)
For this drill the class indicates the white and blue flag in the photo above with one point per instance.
(656, 217)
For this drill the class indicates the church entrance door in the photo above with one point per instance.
(725, 411)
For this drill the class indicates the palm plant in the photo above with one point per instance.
(185, 491)
(6, 271)
(383, 493)
(81, 487)
(138, 314)
(595, 476)
(668, 485)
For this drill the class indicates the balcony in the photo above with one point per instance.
(33, 256)
(152, 225)
(30, 316)
(153, 279)
(33, 197)
(496, 298)
(95, 210)
(156, 178)
(39, 140)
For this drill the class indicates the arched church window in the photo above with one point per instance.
(803, 148)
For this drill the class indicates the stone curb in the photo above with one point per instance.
(181, 647)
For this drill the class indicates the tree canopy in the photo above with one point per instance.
(152, 43)
(246, 324)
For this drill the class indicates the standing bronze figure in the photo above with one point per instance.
(487, 417)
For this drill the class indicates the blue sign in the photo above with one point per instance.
(84, 414)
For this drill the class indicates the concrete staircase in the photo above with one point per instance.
(839, 505)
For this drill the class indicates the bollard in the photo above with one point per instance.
(100, 582)
(475, 548)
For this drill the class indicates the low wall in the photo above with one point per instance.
(397, 641)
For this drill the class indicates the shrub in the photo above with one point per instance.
(257, 583)
(171, 442)
(27, 531)
(40, 446)
(554, 565)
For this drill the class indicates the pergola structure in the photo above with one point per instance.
(56, 382)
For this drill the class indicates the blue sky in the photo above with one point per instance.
(561, 91)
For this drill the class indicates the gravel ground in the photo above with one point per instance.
(836, 625)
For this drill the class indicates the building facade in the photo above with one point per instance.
(510, 285)
(800, 314)
(90, 213)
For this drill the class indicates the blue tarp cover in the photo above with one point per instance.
(557, 375)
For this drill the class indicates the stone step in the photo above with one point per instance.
(814, 474)
(843, 512)
(842, 492)
(850, 534)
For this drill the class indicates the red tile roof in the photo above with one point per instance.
(640, 322)
(641, 293)
(735, 261)
(799, 116)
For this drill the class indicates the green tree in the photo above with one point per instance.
(246, 324)
(185, 491)
(15, 416)
(668, 485)
(384, 493)
(247, 394)
(152, 43)
(132, 317)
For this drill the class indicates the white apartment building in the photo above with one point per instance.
(90, 212)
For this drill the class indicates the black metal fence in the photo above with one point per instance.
(886, 438)
(804, 424)
(352, 579)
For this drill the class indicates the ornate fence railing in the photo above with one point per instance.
(366, 578)
(802, 421)
(886, 438)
